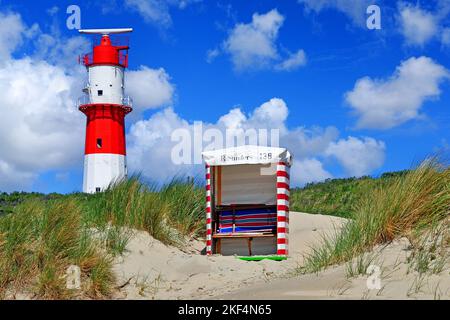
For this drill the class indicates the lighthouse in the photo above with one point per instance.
(105, 106)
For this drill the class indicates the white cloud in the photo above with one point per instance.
(308, 170)
(358, 156)
(154, 11)
(253, 45)
(293, 62)
(52, 11)
(212, 54)
(446, 37)
(417, 25)
(11, 36)
(310, 142)
(234, 119)
(420, 26)
(60, 51)
(150, 145)
(40, 127)
(386, 103)
(355, 10)
(442, 9)
(157, 11)
(11, 178)
(149, 88)
(271, 114)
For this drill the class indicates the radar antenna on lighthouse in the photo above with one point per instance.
(105, 106)
(105, 31)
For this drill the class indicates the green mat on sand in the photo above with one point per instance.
(259, 258)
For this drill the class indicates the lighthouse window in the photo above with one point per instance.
(100, 92)
(97, 189)
(99, 143)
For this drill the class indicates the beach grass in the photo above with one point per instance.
(42, 237)
(38, 242)
(337, 197)
(186, 201)
(406, 206)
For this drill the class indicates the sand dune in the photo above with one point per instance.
(395, 282)
(152, 270)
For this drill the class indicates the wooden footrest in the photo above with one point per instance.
(243, 235)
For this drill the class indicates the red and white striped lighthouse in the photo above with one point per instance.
(105, 107)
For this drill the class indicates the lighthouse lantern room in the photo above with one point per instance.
(105, 106)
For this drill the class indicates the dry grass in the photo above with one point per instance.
(40, 239)
(407, 206)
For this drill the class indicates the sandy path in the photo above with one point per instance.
(155, 271)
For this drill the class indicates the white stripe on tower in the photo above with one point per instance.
(103, 169)
(208, 212)
(282, 208)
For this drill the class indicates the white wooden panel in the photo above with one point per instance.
(244, 184)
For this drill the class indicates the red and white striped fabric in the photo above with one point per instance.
(282, 208)
(208, 212)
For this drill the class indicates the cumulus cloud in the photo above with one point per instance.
(149, 88)
(358, 156)
(13, 32)
(149, 146)
(294, 61)
(271, 114)
(386, 103)
(40, 126)
(355, 10)
(60, 51)
(157, 11)
(212, 54)
(308, 170)
(10, 177)
(419, 26)
(150, 143)
(253, 45)
(446, 37)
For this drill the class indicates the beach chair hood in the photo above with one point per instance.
(247, 155)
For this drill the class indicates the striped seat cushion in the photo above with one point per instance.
(248, 220)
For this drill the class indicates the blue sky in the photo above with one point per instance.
(355, 102)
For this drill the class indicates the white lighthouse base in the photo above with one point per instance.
(101, 170)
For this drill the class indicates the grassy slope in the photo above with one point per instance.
(414, 205)
(337, 197)
(44, 235)
(9, 200)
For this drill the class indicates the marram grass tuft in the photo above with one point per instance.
(407, 206)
